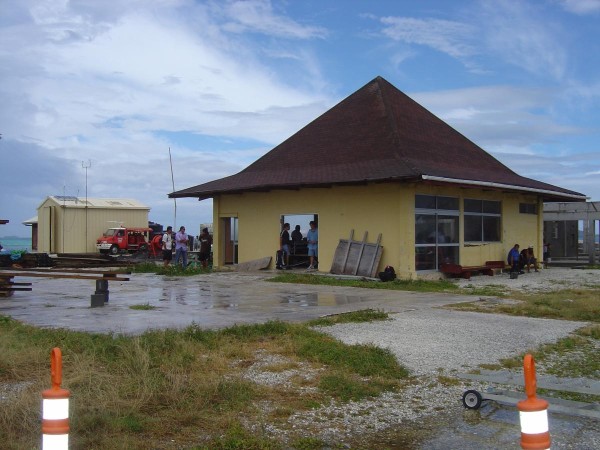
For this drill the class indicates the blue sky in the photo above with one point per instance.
(220, 83)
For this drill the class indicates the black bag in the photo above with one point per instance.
(388, 274)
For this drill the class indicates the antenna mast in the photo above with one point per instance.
(173, 183)
(86, 166)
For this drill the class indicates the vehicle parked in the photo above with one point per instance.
(123, 239)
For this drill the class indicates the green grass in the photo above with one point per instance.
(143, 307)
(365, 315)
(567, 304)
(400, 285)
(187, 386)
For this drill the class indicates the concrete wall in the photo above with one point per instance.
(63, 229)
(563, 236)
(376, 208)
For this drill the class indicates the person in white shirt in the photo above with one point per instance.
(167, 246)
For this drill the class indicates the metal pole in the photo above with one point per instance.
(173, 183)
(86, 167)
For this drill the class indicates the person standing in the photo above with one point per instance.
(205, 245)
(514, 259)
(312, 238)
(297, 234)
(181, 246)
(167, 246)
(284, 245)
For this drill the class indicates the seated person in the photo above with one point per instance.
(514, 259)
(528, 259)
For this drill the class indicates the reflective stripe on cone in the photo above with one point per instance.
(533, 412)
(55, 408)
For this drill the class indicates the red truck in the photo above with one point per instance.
(123, 239)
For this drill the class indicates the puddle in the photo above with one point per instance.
(320, 299)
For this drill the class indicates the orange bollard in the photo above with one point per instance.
(533, 412)
(55, 408)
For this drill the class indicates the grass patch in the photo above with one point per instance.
(143, 307)
(180, 385)
(399, 285)
(567, 304)
(577, 355)
(365, 315)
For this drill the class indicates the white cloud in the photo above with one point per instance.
(499, 116)
(514, 32)
(258, 16)
(445, 36)
(581, 7)
(83, 81)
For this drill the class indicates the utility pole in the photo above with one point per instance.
(86, 166)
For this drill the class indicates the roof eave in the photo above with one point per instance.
(545, 193)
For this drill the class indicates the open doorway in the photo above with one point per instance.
(299, 223)
(229, 228)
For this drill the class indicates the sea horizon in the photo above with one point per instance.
(11, 243)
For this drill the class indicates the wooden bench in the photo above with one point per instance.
(101, 277)
(466, 271)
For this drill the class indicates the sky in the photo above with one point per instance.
(97, 96)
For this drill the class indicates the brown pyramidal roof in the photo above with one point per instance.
(377, 134)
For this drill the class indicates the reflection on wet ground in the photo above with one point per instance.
(492, 427)
(210, 301)
(321, 299)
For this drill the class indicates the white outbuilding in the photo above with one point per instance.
(68, 224)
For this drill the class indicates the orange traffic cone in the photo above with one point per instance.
(55, 408)
(533, 412)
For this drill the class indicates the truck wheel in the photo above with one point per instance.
(472, 399)
(114, 250)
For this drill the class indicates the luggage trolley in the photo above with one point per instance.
(473, 399)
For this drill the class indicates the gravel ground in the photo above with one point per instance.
(545, 280)
(435, 342)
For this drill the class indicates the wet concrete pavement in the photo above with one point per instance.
(212, 301)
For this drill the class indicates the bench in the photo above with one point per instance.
(101, 277)
(466, 271)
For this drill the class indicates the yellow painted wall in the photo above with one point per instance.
(376, 208)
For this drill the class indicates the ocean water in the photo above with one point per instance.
(15, 243)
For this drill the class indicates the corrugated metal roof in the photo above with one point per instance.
(30, 221)
(377, 134)
(112, 203)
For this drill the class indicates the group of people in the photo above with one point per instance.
(180, 242)
(524, 259)
(285, 242)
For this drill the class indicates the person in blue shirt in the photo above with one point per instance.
(514, 259)
(312, 238)
(181, 247)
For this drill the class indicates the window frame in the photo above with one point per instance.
(486, 206)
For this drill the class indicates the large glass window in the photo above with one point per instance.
(436, 231)
(482, 220)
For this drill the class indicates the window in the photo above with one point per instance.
(482, 220)
(436, 231)
(528, 208)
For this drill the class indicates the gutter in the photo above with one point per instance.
(502, 186)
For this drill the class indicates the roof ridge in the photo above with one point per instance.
(393, 121)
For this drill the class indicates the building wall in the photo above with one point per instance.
(376, 208)
(63, 229)
(563, 236)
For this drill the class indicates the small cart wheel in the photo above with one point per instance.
(472, 399)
